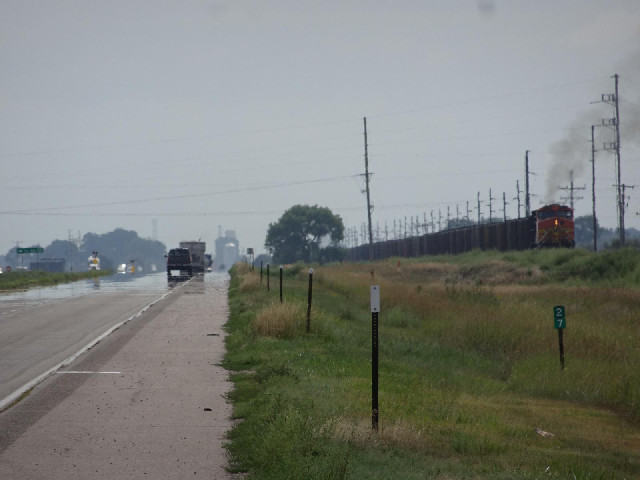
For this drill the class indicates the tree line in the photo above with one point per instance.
(114, 248)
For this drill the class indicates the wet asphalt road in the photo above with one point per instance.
(41, 327)
(148, 401)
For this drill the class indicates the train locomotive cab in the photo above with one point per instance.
(554, 226)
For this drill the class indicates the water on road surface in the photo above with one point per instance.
(133, 284)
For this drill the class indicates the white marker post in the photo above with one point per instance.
(375, 309)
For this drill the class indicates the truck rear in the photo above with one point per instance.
(196, 249)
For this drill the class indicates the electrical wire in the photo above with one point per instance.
(177, 197)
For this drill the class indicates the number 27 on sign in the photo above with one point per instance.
(559, 318)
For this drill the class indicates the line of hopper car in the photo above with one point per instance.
(548, 226)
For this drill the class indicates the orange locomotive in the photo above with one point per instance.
(554, 226)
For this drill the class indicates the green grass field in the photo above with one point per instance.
(470, 378)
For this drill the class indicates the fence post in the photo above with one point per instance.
(375, 309)
(309, 300)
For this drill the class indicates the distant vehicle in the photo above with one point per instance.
(179, 264)
(94, 262)
(198, 259)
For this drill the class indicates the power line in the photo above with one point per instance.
(489, 98)
(176, 197)
(170, 140)
(296, 127)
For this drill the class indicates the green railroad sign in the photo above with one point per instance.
(30, 250)
(559, 318)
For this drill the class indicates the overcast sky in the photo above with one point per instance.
(201, 114)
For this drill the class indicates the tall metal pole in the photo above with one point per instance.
(366, 175)
(490, 207)
(593, 190)
(620, 189)
(504, 206)
(527, 201)
(518, 197)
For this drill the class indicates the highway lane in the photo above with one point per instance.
(41, 328)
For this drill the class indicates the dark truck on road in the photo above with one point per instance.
(179, 264)
(198, 259)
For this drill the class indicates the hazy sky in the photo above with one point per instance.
(207, 113)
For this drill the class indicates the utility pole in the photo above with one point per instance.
(593, 189)
(527, 201)
(439, 220)
(468, 217)
(367, 178)
(448, 218)
(612, 99)
(518, 196)
(490, 206)
(571, 189)
(479, 216)
(504, 207)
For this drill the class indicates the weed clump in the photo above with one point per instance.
(249, 283)
(279, 320)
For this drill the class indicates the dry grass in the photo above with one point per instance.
(399, 433)
(279, 320)
(469, 369)
(250, 282)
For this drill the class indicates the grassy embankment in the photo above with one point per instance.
(469, 369)
(18, 280)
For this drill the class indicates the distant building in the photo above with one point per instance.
(227, 250)
(48, 265)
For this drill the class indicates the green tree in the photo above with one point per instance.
(300, 231)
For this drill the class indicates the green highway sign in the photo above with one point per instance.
(559, 318)
(30, 250)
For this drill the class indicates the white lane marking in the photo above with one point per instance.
(83, 371)
(8, 400)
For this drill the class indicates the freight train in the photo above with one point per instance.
(554, 226)
(549, 226)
